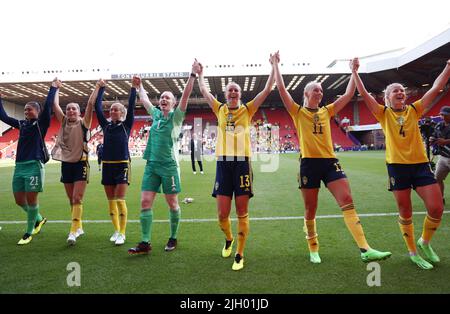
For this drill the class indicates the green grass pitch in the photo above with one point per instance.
(276, 255)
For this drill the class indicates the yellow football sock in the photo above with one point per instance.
(113, 213)
(225, 225)
(353, 224)
(311, 235)
(123, 212)
(430, 226)
(243, 229)
(77, 212)
(407, 228)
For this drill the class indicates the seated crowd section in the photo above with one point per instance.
(272, 129)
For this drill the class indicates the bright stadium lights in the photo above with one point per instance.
(207, 84)
(177, 84)
(247, 79)
(324, 78)
(74, 90)
(252, 84)
(152, 86)
(318, 78)
(222, 81)
(292, 82)
(342, 82)
(298, 82)
(29, 90)
(116, 88)
(337, 81)
(13, 92)
(425, 85)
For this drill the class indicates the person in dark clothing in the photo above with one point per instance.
(196, 153)
(440, 139)
(116, 156)
(29, 172)
(426, 129)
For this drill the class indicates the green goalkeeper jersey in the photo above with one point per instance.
(162, 145)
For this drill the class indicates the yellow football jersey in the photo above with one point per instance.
(233, 129)
(404, 143)
(314, 131)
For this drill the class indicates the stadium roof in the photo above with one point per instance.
(416, 68)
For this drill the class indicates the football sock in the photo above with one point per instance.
(146, 224)
(77, 212)
(31, 217)
(407, 228)
(243, 229)
(225, 225)
(311, 235)
(123, 213)
(113, 213)
(174, 218)
(354, 226)
(430, 225)
(24, 207)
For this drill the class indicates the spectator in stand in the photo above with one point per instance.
(441, 141)
(116, 160)
(71, 148)
(345, 123)
(319, 163)
(407, 163)
(28, 178)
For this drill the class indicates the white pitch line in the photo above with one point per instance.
(215, 219)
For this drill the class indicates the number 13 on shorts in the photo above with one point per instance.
(245, 181)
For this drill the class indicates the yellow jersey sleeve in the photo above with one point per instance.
(215, 107)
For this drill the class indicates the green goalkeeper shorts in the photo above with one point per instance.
(28, 176)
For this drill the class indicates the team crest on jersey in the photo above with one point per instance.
(401, 121)
(230, 123)
(392, 181)
(216, 185)
(304, 180)
(316, 118)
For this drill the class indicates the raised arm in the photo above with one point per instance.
(57, 108)
(370, 101)
(262, 95)
(203, 89)
(7, 119)
(144, 98)
(189, 85)
(288, 102)
(87, 119)
(135, 83)
(45, 115)
(349, 92)
(438, 84)
(99, 89)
